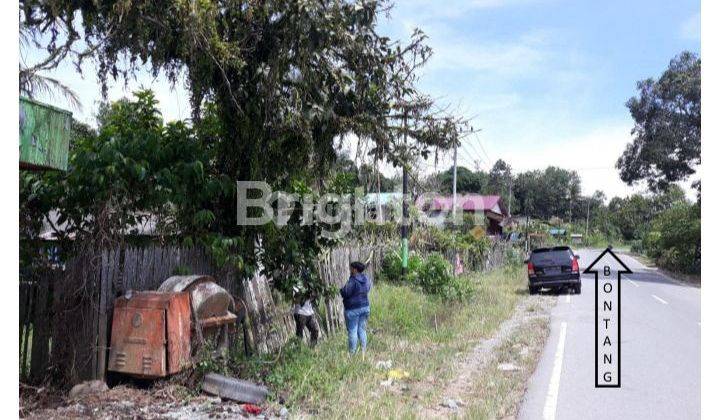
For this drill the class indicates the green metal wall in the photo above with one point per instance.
(44, 136)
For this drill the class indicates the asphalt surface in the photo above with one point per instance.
(660, 347)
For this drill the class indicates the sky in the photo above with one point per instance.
(543, 81)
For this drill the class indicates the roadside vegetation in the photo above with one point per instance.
(663, 226)
(423, 335)
(499, 393)
(673, 239)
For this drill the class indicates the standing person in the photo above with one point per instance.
(304, 316)
(357, 306)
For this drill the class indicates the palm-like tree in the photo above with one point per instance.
(33, 82)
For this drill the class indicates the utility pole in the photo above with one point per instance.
(587, 220)
(510, 197)
(454, 202)
(404, 226)
(527, 231)
(527, 224)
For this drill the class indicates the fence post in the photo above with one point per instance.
(41, 328)
(102, 326)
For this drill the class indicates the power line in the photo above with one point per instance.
(483, 148)
(486, 161)
(473, 156)
(469, 158)
(475, 151)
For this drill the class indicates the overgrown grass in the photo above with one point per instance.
(419, 333)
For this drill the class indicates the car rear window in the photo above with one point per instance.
(551, 256)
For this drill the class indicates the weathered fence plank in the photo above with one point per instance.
(40, 351)
(83, 299)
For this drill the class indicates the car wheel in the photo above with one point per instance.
(532, 290)
(577, 289)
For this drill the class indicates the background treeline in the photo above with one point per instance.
(664, 224)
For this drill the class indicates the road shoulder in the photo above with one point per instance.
(492, 378)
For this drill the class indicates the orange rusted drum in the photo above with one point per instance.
(151, 334)
(211, 305)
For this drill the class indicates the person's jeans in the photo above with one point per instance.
(356, 322)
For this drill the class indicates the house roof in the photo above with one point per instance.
(466, 202)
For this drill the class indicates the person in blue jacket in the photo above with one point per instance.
(357, 306)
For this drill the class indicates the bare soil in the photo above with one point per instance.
(479, 363)
(163, 401)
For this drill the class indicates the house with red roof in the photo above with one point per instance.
(438, 207)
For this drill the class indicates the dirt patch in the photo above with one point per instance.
(461, 390)
(164, 401)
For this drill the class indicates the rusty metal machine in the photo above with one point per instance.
(153, 332)
(211, 307)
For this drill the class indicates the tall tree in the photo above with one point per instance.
(548, 193)
(468, 182)
(33, 82)
(500, 179)
(666, 144)
(284, 79)
(633, 214)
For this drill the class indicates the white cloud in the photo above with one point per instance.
(593, 155)
(524, 55)
(421, 10)
(690, 28)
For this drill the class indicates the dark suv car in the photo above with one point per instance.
(554, 268)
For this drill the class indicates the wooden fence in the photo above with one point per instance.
(83, 300)
(66, 315)
(35, 299)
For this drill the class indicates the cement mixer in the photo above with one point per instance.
(153, 331)
(212, 308)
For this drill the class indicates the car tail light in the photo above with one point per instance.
(531, 269)
(575, 265)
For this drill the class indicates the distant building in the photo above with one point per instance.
(576, 238)
(555, 232)
(437, 209)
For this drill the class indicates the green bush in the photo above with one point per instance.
(391, 270)
(514, 256)
(673, 239)
(433, 276)
(637, 246)
(448, 241)
(436, 278)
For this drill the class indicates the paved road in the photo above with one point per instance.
(660, 353)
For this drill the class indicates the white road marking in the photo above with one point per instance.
(633, 283)
(567, 298)
(554, 386)
(659, 300)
